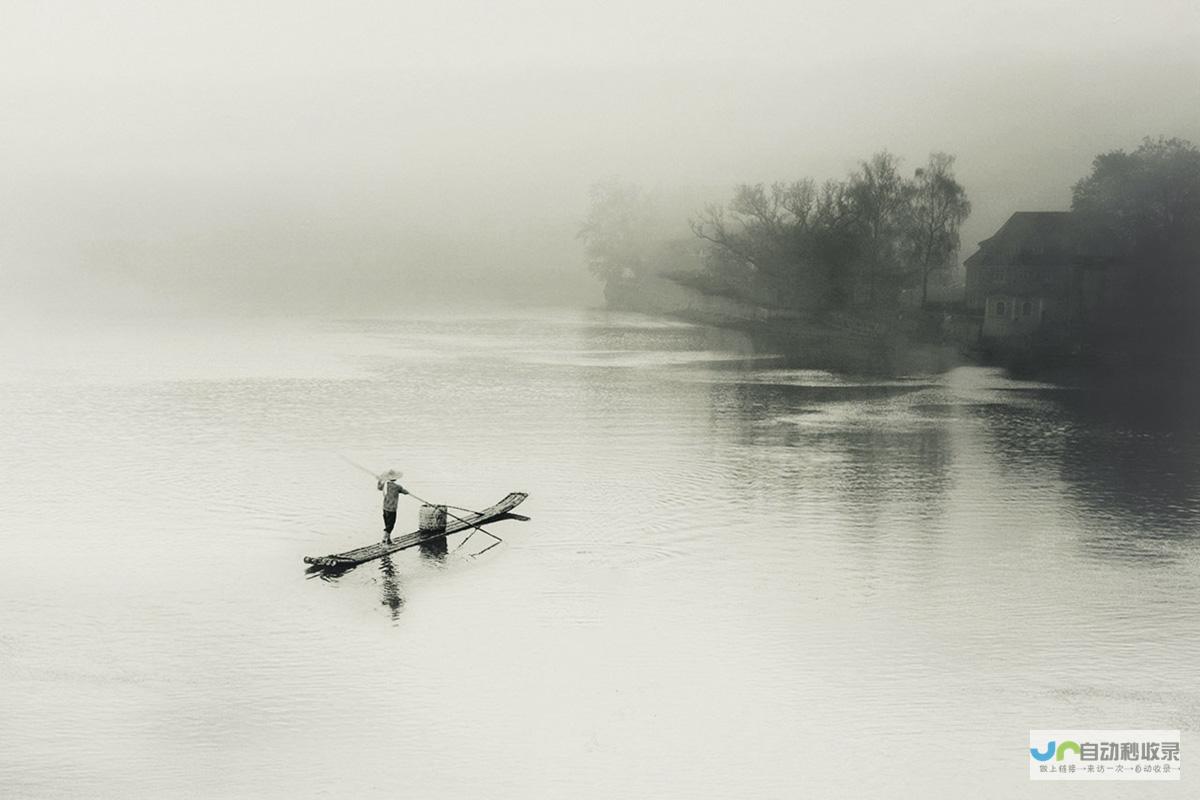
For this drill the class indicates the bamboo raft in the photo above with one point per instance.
(497, 513)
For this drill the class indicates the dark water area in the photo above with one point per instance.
(740, 578)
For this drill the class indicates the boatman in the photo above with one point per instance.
(391, 493)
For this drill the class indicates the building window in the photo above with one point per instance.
(1000, 309)
(1026, 308)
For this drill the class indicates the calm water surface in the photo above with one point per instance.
(740, 580)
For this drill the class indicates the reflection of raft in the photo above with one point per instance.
(500, 511)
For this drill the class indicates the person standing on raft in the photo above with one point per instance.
(391, 493)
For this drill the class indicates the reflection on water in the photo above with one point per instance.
(434, 549)
(389, 587)
(1128, 471)
(732, 569)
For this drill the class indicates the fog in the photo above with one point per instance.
(369, 157)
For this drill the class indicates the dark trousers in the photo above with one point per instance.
(389, 520)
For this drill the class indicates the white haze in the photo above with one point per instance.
(366, 157)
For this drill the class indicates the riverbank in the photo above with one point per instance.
(897, 343)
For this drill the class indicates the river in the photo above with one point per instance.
(740, 579)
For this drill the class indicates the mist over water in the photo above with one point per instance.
(305, 157)
(734, 569)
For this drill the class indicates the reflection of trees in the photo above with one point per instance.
(1130, 460)
(1026, 435)
(1125, 465)
(1136, 456)
(859, 445)
(903, 472)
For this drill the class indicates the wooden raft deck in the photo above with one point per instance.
(360, 555)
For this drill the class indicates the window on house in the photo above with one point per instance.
(1026, 308)
(1000, 308)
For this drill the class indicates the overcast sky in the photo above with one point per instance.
(274, 148)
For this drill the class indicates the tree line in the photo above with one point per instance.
(874, 239)
(871, 240)
(1138, 213)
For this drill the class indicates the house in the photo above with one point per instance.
(1034, 282)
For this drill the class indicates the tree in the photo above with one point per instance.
(618, 231)
(939, 207)
(764, 232)
(1144, 206)
(867, 237)
(1140, 212)
(835, 241)
(881, 199)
